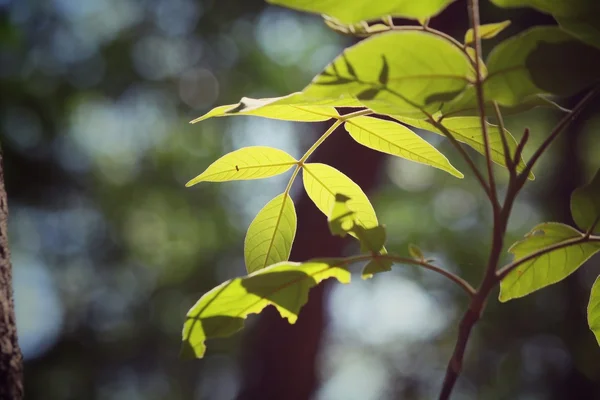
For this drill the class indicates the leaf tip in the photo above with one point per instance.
(188, 352)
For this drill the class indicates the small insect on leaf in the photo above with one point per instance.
(237, 168)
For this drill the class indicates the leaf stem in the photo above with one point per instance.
(507, 156)
(464, 285)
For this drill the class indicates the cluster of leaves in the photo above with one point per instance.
(419, 78)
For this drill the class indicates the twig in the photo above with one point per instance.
(507, 156)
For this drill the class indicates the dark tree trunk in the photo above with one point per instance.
(11, 361)
(280, 361)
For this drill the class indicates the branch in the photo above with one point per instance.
(464, 285)
(557, 130)
(510, 164)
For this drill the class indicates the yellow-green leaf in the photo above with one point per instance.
(293, 107)
(549, 268)
(400, 72)
(468, 130)
(253, 162)
(323, 182)
(222, 311)
(353, 11)
(271, 234)
(487, 31)
(593, 311)
(395, 139)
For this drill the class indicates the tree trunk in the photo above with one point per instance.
(11, 360)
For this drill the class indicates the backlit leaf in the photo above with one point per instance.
(585, 205)
(547, 269)
(395, 139)
(529, 64)
(353, 11)
(415, 252)
(292, 107)
(253, 162)
(487, 31)
(222, 311)
(402, 72)
(271, 234)
(593, 311)
(323, 182)
(468, 130)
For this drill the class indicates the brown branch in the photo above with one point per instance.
(11, 360)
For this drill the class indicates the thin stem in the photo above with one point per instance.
(474, 17)
(557, 130)
(520, 147)
(507, 156)
(455, 278)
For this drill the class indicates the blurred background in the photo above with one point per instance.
(110, 249)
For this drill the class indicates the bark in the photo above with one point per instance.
(11, 360)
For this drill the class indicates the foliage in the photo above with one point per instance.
(398, 78)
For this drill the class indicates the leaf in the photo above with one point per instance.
(593, 311)
(323, 182)
(395, 139)
(254, 162)
(222, 311)
(585, 205)
(550, 268)
(271, 234)
(415, 252)
(487, 31)
(376, 266)
(468, 130)
(529, 64)
(353, 11)
(292, 107)
(465, 104)
(423, 71)
(585, 27)
(578, 17)
(341, 218)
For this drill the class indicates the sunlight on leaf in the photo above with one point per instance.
(292, 107)
(487, 31)
(529, 64)
(255, 162)
(222, 311)
(395, 139)
(395, 73)
(322, 182)
(549, 268)
(585, 205)
(593, 311)
(271, 234)
(353, 11)
(468, 130)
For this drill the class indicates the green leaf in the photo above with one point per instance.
(593, 311)
(255, 162)
(403, 72)
(222, 311)
(578, 17)
(585, 205)
(353, 11)
(376, 266)
(549, 268)
(529, 64)
(271, 234)
(341, 218)
(415, 252)
(395, 139)
(465, 105)
(487, 31)
(468, 130)
(323, 182)
(292, 107)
